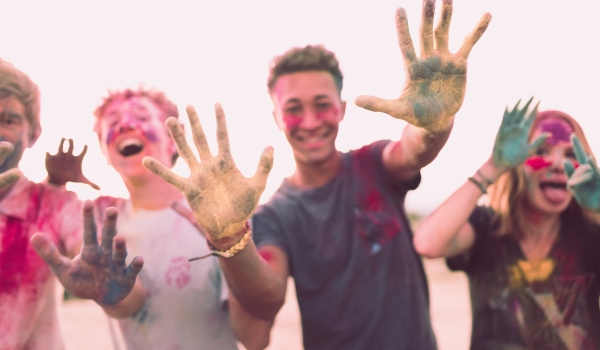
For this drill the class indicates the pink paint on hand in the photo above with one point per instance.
(178, 274)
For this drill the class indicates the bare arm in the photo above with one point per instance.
(446, 232)
(433, 92)
(253, 332)
(223, 200)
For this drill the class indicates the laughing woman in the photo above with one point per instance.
(533, 255)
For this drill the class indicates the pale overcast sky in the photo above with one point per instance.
(201, 52)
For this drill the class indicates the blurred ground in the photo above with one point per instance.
(86, 327)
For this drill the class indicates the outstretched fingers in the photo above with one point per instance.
(9, 177)
(119, 252)
(475, 35)
(427, 26)
(90, 236)
(443, 28)
(109, 229)
(265, 164)
(222, 133)
(580, 153)
(134, 268)
(61, 146)
(404, 39)
(182, 146)
(538, 142)
(375, 104)
(71, 147)
(198, 134)
(48, 252)
(167, 174)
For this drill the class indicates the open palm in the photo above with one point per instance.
(436, 81)
(220, 196)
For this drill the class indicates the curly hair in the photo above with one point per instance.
(16, 83)
(302, 59)
(508, 195)
(158, 97)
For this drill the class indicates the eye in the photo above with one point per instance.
(294, 110)
(322, 106)
(10, 119)
(570, 154)
(542, 152)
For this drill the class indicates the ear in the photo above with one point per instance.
(343, 111)
(34, 136)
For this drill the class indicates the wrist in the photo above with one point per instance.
(225, 242)
(489, 171)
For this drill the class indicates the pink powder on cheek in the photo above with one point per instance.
(537, 163)
(329, 113)
(291, 122)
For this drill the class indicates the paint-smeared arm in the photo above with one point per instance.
(64, 167)
(223, 200)
(583, 182)
(99, 272)
(447, 232)
(433, 92)
(10, 176)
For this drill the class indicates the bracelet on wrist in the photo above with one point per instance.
(478, 184)
(231, 251)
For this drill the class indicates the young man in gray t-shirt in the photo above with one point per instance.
(337, 224)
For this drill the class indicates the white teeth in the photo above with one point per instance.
(130, 142)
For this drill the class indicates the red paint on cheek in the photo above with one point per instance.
(291, 121)
(537, 163)
(329, 113)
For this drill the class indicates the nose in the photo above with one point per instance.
(557, 160)
(127, 122)
(310, 120)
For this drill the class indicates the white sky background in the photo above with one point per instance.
(202, 52)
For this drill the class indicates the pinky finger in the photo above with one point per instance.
(134, 268)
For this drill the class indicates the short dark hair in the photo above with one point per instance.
(302, 59)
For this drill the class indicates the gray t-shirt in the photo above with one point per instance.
(359, 282)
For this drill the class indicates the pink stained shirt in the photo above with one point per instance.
(28, 290)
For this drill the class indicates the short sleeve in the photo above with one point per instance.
(480, 219)
(371, 156)
(266, 229)
(65, 209)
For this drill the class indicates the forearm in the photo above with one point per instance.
(443, 233)
(128, 306)
(252, 332)
(254, 283)
(417, 148)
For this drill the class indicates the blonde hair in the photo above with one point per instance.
(18, 84)
(507, 197)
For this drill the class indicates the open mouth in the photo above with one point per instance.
(554, 191)
(130, 147)
(553, 185)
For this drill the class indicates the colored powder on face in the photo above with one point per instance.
(114, 131)
(291, 122)
(560, 130)
(328, 113)
(537, 163)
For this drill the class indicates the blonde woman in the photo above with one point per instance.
(533, 255)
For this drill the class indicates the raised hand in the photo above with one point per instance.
(99, 272)
(220, 196)
(65, 166)
(512, 146)
(10, 176)
(436, 81)
(583, 182)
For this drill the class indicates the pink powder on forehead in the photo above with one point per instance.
(560, 130)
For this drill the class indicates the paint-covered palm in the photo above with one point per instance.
(99, 272)
(512, 146)
(583, 182)
(64, 167)
(10, 176)
(220, 196)
(436, 81)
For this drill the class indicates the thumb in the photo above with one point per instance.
(374, 104)
(48, 252)
(538, 142)
(85, 180)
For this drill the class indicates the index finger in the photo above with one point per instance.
(580, 153)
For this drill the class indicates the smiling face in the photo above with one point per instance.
(14, 128)
(308, 109)
(544, 172)
(132, 128)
